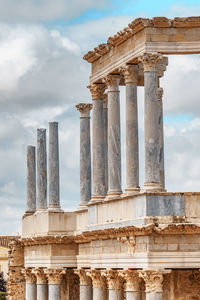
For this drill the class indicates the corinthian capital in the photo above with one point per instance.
(150, 61)
(115, 281)
(132, 280)
(160, 94)
(84, 279)
(153, 280)
(28, 275)
(112, 82)
(54, 275)
(84, 109)
(98, 280)
(40, 276)
(97, 90)
(130, 73)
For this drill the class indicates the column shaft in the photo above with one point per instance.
(54, 292)
(85, 292)
(42, 291)
(105, 106)
(161, 138)
(115, 294)
(114, 139)
(31, 180)
(131, 295)
(99, 293)
(41, 169)
(31, 291)
(54, 191)
(154, 296)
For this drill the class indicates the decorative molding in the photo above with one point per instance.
(54, 275)
(114, 279)
(28, 275)
(130, 73)
(97, 90)
(153, 280)
(132, 280)
(150, 61)
(40, 276)
(84, 279)
(130, 241)
(84, 109)
(98, 280)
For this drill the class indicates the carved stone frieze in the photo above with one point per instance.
(84, 279)
(132, 280)
(40, 276)
(98, 280)
(150, 61)
(54, 275)
(114, 279)
(130, 241)
(153, 280)
(130, 73)
(97, 90)
(84, 109)
(28, 275)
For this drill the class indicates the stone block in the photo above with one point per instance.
(92, 214)
(172, 247)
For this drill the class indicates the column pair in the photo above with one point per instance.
(54, 194)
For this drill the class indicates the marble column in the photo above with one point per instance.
(99, 285)
(85, 285)
(31, 180)
(105, 110)
(98, 164)
(161, 138)
(153, 284)
(132, 280)
(54, 189)
(41, 169)
(54, 277)
(42, 285)
(114, 138)
(31, 293)
(152, 176)
(85, 153)
(115, 285)
(130, 73)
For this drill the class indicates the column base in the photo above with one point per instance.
(55, 208)
(97, 198)
(132, 191)
(28, 213)
(153, 187)
(83, 206)
(113, 195)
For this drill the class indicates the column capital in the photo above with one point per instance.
(153, 280)
(160, 94)
(98, 280)
(105, 101)
(84, 109)
(112, 82)
(97, 90)
(40, 276)
(132, 280)
(84, 279)
(115, 281)
(150, 61)
(54, 276)
(130, 73)
(29, 276)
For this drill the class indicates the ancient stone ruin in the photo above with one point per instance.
(140, 243)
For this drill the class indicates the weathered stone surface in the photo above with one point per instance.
(41, 169)
(54, 292)
(31, 180)
(42, 291)
(31, 292)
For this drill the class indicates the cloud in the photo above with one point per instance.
(45, 10)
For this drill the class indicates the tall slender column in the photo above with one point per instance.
(105, 109)
(99, 284)
(30, 284)
(54, 280)
(85, 153)
(130, 73)
(132, 280)
(114, 139)
(85, 285)
(153, 284)
(115, 285)
(42, 285)
(99, 189)
(31, 180)
(161, 138)
(54, 189)
(41, 169)
(152, 176)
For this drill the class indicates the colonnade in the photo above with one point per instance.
(37, 186)
(106, 142)
(113, 284)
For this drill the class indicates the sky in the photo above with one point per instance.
(43, 77)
